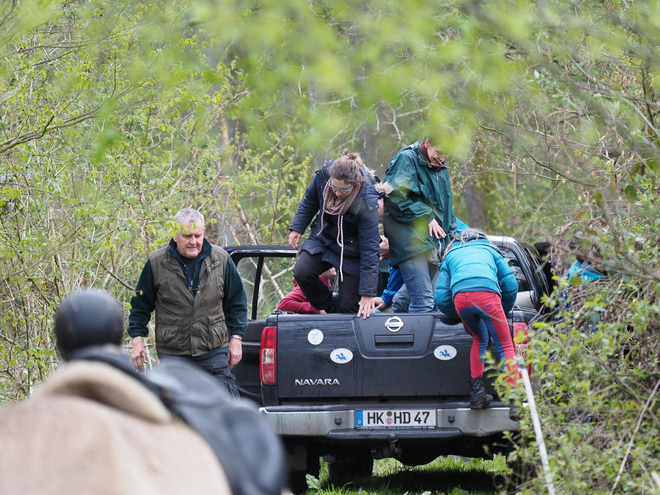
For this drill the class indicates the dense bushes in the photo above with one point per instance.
(598, 358)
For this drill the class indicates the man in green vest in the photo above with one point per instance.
(199, 299)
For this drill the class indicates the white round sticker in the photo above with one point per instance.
(315, 337)
(445, 352)
(341, 356)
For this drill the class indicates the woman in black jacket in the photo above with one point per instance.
(344, 234)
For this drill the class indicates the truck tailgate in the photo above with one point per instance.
(393, 356)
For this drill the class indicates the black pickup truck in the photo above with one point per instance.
(352, 390)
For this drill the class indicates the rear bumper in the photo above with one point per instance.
(337, 422)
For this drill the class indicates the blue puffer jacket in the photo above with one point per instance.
(475, 265)
(361, 236)
(584, 271)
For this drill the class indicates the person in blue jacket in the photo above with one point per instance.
(394, 284)
(477, 285)
(581, 272)
(343, 202)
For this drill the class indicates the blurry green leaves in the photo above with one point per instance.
(463, 62)
(513, 19)
(449, 57)
(19, 18)
(109, 136)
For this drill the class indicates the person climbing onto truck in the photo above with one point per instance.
(419, 218)
(344, 234)
(400, 298)
(477, 285)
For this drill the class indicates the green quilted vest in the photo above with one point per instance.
(189, 322)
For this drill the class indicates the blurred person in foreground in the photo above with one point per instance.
(98, 426)
(93, 428)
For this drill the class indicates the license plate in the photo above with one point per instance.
(396, 418)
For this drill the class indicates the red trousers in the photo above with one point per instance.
(483, 316)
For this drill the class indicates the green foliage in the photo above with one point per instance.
(106, 129)
(113, 115)
(266, 188)
(597, 361)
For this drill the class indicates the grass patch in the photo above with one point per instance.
(450, 475)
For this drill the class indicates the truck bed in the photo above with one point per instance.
(344, 357)
(352, 389)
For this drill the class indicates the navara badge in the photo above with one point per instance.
(394, 324)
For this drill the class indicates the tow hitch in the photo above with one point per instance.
(391, 450)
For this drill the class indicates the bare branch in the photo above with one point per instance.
(70, 122)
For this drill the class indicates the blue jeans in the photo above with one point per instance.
(401, 300)
(418, 274)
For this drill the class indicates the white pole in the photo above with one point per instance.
(537, 428)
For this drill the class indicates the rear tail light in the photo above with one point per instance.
(521, 343)
(268, 356)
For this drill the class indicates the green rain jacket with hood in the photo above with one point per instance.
(421, 192)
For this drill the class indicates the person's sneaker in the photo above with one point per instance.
(478, 396)
(514, 411)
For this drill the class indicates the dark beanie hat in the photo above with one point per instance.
(88, 317)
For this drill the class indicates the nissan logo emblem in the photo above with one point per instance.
(394, 324)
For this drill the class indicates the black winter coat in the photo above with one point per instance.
(361, 236)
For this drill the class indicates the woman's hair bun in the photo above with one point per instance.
(352, 155)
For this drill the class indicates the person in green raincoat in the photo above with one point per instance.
(419, 218)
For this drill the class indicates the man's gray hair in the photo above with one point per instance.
(189, 214)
